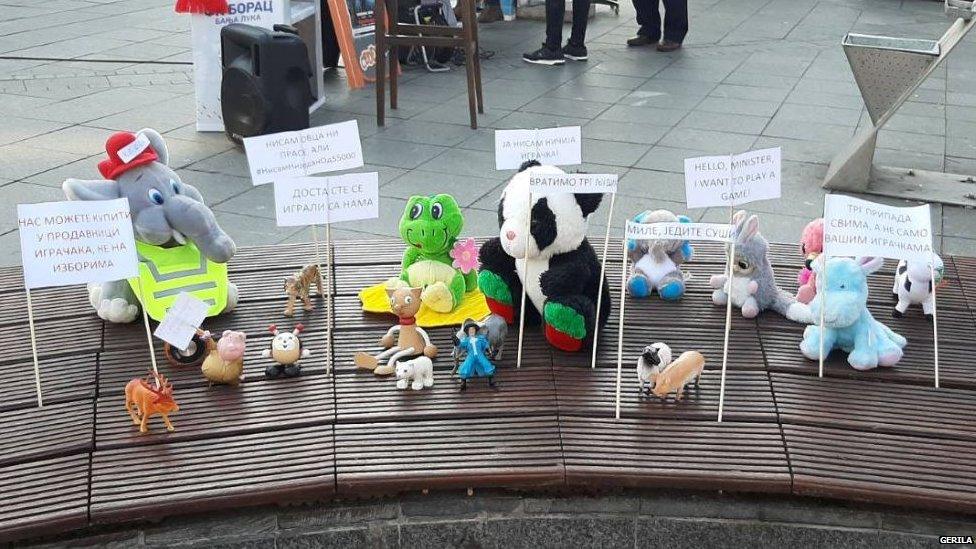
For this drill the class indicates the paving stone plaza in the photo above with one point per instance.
(752, 74)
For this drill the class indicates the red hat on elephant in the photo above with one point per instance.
(115, 165)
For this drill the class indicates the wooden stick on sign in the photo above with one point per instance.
(935, 320)
(145, 322)
(620, 326)
(328, 293)
(525, 283)
(603, 273)
(728, 320)
(33, 340)
(328, 315)
(525, 259)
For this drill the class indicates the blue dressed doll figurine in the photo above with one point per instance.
(476, 363)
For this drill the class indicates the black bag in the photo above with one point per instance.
(427, 14)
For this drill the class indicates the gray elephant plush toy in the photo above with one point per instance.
(165, 212)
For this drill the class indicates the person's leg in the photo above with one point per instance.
(648, 21)
(675, 20)
(551, 51)
(581, 16)
(555, 12)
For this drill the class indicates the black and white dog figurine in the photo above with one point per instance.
(652, 361)
(563, 270)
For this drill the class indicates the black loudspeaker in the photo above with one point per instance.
(265, 86)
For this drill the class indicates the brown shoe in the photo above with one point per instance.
(667, 45)
(490, 14)
(639, 40)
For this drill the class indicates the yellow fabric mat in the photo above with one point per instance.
(473, 306)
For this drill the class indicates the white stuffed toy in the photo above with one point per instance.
(914, 284)
(419, 371)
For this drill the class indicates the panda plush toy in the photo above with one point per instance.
(563, 269)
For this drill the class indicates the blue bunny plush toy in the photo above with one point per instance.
(848, 324)
(656, 264)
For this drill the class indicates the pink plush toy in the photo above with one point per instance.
(811, 245)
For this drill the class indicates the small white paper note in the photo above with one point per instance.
(69, 242)
(182, 320)
(573, 183)
(859, 228)
(132, 150)
(733, 180)
(552, 146)
(319, 200)
(715, 232)
(292, 154)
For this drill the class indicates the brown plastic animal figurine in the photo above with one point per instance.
(225, 358)
(681, 372)
(150, 396)
(410, 341)
(299, 285)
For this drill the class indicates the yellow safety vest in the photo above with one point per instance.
(164, 273)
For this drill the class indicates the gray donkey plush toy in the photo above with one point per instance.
(165, 212)
(753, 288)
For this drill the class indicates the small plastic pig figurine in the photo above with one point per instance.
(914, 285)
(687, 368)
(225, 361)
(147, 397)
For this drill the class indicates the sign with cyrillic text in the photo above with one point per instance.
(75, 242)
(733, 180)
(584, 183)
(319, 200)
(132, 150)
(714, 232)
(550, 146)
(294, 154)
(182, 320)
(859, 228)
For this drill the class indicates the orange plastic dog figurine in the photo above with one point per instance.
(143, 395)
(679, 373)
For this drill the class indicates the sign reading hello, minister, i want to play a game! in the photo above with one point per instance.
(733, 180)
(860, 228)
(551, 146)
(306, 152)
(303, 201)
(71, 242)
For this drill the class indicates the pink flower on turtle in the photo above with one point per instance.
(465, 255)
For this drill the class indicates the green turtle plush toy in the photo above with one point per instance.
(430, 227)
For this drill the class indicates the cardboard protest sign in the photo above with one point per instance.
(75, 242)
(714, 232)
(861, 228)
(855, 227)
(733, 180)
(584, 183)
(305, 152)
(552, 146)
(182, 320)
(319, 200)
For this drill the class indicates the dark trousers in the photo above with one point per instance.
(555, 11)
(675, 19)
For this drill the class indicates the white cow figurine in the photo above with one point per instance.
(914, 284)
(417, 373)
